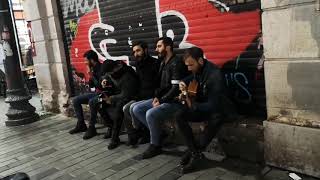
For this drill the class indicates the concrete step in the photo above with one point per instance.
(240, 139)
(243, 140)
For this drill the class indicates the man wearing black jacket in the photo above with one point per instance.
(154, 111)
(147, 69)
(205, 103)
(94, 66)
(96, 105)
(125, 81)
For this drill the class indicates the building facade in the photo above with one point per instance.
(291, 32)
(268, 51)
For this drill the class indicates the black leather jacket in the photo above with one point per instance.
(210, 88)
(170, 75)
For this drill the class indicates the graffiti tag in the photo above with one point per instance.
(78, 5)
(241, 82)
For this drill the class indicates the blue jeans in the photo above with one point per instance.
(136, 123)
(152, 117)
(78, 101)
(130, 121)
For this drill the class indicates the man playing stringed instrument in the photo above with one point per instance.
(200, 99)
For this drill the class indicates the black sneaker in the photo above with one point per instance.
(185, 158)
(78, 129)
(113, 144)
(138, 137)
(152, 151)
(90, 133)
(195, 159)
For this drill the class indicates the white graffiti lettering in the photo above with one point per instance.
(221, 4)
(184, 44)
(236, 77)
(108, 28)
(77, 5)
(103, 44)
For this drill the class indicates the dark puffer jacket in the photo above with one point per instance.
(125, 82)
(147, 71)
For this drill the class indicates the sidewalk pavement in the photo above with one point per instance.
(45, 150)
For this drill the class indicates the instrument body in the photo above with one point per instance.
(190, 92)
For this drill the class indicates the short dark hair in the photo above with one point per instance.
(142, 44)
(194, 52)
(91, 55)
(166, 41)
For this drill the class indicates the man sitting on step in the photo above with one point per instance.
(94, 67)
(199, 101)
(125, 81)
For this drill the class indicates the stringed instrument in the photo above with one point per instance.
(191, 91)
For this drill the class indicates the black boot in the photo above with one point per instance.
(144, 136)
(144, 140)
(80, 127)
(138, 136)
(185, 158)
(108, 133)
(152, 151)
(133, 138)
(90, 133)
(114, 143)
(195, 159)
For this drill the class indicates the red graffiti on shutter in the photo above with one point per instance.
(222, 35)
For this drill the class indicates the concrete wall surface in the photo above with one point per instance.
(292, 147)
(291, 34)
(50, 62)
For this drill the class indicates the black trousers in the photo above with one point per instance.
(98, 107)
(115, 113)
(111, 113)
(185, 115)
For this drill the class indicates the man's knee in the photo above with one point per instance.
(152, 116)
(136, 110)
(93, 102)
(76, 101)
(131, 107)
(126, 108)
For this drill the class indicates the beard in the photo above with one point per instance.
(90, 64)
(140, 58)
(161, 55)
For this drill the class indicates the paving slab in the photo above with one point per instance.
(45, 150)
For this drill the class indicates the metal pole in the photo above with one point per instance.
(20, 111)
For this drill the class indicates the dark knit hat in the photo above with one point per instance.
(109, 65)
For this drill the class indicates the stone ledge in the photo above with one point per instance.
(295, 121)
(292, 147)
(242, 138)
